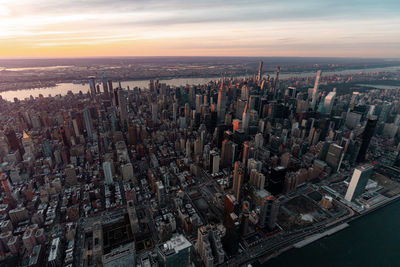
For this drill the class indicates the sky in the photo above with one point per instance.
(318, 28)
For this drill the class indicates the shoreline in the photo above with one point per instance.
(294, 74)
(275, 254)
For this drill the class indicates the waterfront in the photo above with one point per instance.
(372, 240)
(63, 88)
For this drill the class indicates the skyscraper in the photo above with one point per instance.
(278, 69)
(105, 86)
(329, 101)
(122, 104)
(92, 85)
(12, 139)
(334, 156)
(246, 118)
(238, 176)
(88, 122)
(315, 90)
(259, 72)
(269, 212)
(221, 104)
(108, 177)
(358, 182)
(226, 153)
(367, 134)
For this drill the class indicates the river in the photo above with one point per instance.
(63, 88)
(372, 240)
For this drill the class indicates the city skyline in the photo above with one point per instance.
(210, 28)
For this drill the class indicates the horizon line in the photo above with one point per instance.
(185, 56)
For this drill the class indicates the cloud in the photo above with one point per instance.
(211, 24)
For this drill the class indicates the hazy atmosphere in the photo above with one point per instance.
(76, 28)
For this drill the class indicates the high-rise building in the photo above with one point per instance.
(253, 164)
(245, 153)
(154, 112)
(257, 179)
(88, 122)
(367, 134)
(315, 90)
(269, 212)
(175, 111)
(358, 182)
(214, 161)
(226, 153)
(238, 176)
(92, 84)
(334, 156)
(123, 109)
(199, 102)
(277, 180)
(108, 176)
(260, 73)
(12, 139)
(104, 81)
(70, 176)
(175, 252)
(221, 104)
(246, 118)
(328, 102)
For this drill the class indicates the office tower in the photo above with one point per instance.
(244, 95)
(221, 104)
(315, 91)
(259, 73)
(132, 135)
(238, 176)
(226, 153)
(175, 252)
(187, 112)
(383, 115)
(12, 139)
(46, 148)
(277, 180)
(259, 140)
(245, 153)
(366, 136)
(122, 104)
(358, 182)
(209, 245)
(127, 171)
(110, 88)
(354, 99)
(115, 97)
(246, 118)
(198, 147)
(88, 123)
(278, 69)
(5, 183)
(192, 96)
(214, 161)
(92, 85)
(253, 164)
(154, 112)
(199, 102)
(352, 119)
(105, 86)
(291, 92)
(334, 156)
(269, 212)
(328, 102)
(70, 176)
(188, 149)
(257, 179)
(108, 177)
(175, 111)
